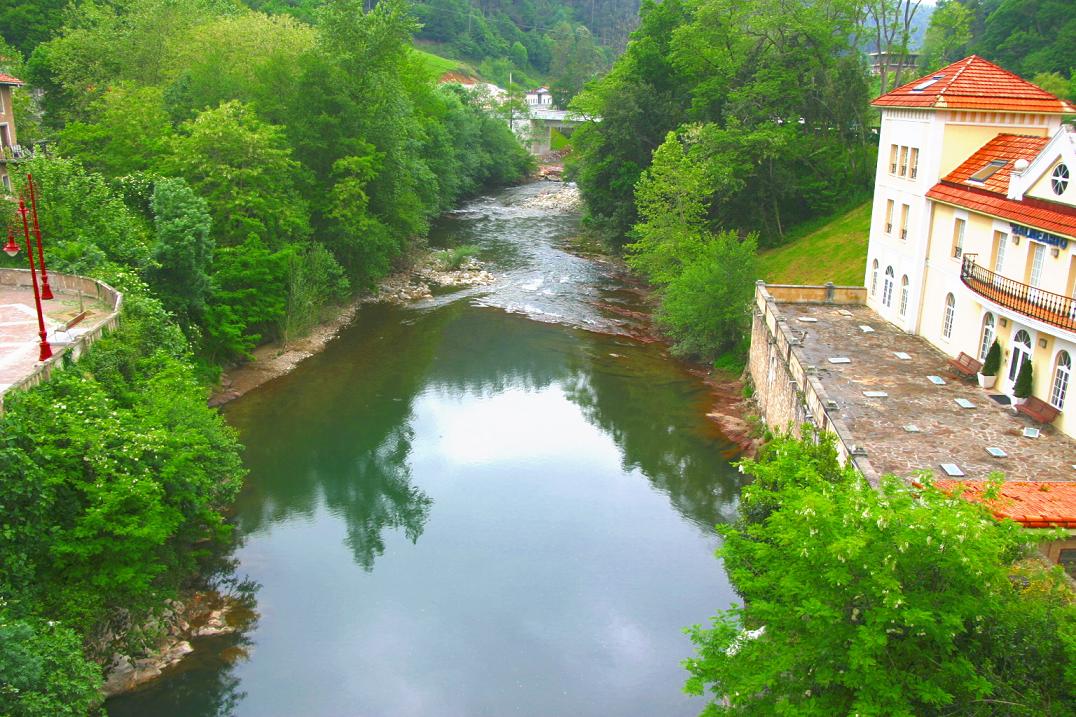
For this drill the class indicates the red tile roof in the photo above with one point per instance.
(1033, 504)
(9, 80)
(989, 197)
(975, 84)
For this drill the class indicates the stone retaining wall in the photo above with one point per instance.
(64, 284)
(787, 393)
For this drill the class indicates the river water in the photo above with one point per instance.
(473, 507)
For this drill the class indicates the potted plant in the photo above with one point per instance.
(1022, 390)
(991, 366)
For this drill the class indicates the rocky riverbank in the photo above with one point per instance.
(163, 640)
(413, 284)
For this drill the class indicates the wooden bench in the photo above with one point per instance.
(965, 365)
(1038, 410)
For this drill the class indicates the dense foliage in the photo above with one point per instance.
(772, 95)
(299, 150)
(888, 600)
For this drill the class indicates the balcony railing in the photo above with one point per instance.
(1045, 306)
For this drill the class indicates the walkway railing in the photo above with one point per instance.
(1046, 306)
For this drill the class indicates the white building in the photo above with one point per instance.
(540, 98)
(974, 223)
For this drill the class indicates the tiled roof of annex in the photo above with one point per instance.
(1033, 504)
(974, 84)
(989, 197)
(9, 80)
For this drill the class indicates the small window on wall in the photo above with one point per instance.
(889, 216)
(904, 211)
(958, 238)
(1062, 373)
(903, 162)
(892, 159)
(914, 169)
(7, 182)
(874, 278)
(904, 295)
(1067, 560)
(947, 319)
(1059, 180)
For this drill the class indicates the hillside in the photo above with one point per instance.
(836, 251)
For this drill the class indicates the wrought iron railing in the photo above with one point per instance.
(1046, 306)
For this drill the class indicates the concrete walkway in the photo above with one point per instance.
(947, 432)
(18, 327)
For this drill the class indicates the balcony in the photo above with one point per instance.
(1047, 307)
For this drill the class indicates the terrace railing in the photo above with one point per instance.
(1045, 306)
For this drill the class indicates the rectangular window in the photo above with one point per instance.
(904, 209)
(2, 105)
(903, 162)
(892, 159)
(914, 170)
(958, 238)
(889, 216)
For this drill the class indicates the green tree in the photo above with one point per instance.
(243, 168)
(42, 670)
(182, 251)
(705, 309)
(576, 59)
(1024, 380)
(129, 131)
(878, 600)
(948, 35)
(315, 279)
(1028, 36)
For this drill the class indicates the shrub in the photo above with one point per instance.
(455, 257)
(1024, 380)
(993, 360)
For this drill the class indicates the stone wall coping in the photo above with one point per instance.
(815, 397)
(64, 283)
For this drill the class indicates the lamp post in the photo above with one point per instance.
(46, 291)
(46, 350)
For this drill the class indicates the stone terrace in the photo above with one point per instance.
(97, 304)
(949, 433)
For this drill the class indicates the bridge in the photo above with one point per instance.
(535, 130)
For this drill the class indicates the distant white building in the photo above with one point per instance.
(540, 98)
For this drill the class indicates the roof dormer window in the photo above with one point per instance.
(988, 171)
(923, 85)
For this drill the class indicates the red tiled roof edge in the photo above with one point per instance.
(1019, 506)
(9, 80)
(1016, 94)
(1037, 213)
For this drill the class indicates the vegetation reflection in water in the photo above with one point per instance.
(461, 512)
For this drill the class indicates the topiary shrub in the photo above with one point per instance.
(1023, 380)
(993, 360)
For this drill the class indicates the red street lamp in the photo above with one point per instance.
(46, 292)
(46, 350)
(11, 248)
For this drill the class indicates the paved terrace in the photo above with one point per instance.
(75, 296)
(948, 433)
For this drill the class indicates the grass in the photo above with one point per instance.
(440, 65)
(455, 257)
(836, 251)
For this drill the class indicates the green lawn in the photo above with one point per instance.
(835, 252)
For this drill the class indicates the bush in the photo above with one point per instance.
(454, 258)
(1024, 380)
(993, 360)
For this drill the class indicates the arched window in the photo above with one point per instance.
(1061, 380)
(904, 295)
(887, 287)
(988, 335)
(874, 278)
(947, 319)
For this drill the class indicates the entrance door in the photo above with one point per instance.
(1021, 351)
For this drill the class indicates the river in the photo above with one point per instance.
(474, 506)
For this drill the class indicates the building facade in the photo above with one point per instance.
(974, 223)
(9, 144)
